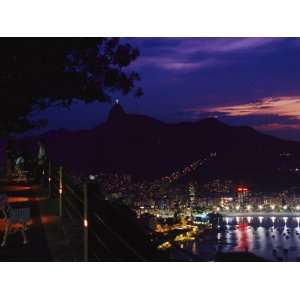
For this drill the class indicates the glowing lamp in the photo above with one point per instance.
(85, 223)
(92, 177)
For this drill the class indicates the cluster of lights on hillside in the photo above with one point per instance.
(186, 171)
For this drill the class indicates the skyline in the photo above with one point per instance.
(242, 81)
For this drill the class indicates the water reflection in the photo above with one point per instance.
(274, 238)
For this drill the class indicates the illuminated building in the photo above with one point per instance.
(242, 195)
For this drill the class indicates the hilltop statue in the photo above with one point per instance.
(117, 112)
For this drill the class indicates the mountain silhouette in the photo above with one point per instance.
(148, 148)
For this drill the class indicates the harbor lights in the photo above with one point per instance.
(272, 206)
(260, 207)
(298, 207)
(237, 207)
(249, 207)
(285, 207)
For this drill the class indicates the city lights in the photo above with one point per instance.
(237, 207)
(285, 207)
(272, 206)
(298, 207)
(249, 207)
(260, 207)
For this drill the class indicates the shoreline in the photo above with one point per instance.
(260, 214)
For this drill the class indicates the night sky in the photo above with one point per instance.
(242, 81)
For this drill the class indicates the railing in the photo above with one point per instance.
(72, 208)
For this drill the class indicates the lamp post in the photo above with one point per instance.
(49, 179)
(85, 222)
(60, 190)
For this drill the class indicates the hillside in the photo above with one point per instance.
(148, 148)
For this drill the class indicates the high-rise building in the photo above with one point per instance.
(242, 195)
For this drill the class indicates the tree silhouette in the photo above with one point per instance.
(36, 73)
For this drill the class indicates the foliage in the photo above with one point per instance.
(36, 73)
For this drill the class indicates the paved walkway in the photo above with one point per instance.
(47, 241)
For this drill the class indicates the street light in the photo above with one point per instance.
(272, 206)
(237, 207)
(285, 207)
(260, 207)
(298, 207)
(248, 207)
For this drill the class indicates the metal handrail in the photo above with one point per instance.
(57, 180)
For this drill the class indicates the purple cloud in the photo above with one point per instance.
(183, 54)
(222, 45)
(175, 63)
